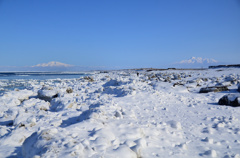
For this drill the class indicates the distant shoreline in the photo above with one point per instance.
(225, 66)
(43, 73)
(89, 72)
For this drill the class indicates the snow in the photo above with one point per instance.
(123, 113)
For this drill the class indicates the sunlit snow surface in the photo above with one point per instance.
(122, 114)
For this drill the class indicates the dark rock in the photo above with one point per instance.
(230, 99)
(213, 89)
(103, 72)
(224, 100)
(178, 84)
(152, 77)
(205, 79)
(149, 70)
(69, 90)
(55, 96)
(198, 85)
(167, 79)
(89, 79)
(238, 88)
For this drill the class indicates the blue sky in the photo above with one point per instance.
(123, 33)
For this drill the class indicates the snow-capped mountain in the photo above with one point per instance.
(196, 62)
(52, 64)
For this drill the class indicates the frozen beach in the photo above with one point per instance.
(125, 114)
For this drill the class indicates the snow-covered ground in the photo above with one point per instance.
(123, 114)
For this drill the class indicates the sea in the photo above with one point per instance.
(22, 80)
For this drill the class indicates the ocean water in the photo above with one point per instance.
(39, 75)
(23, 80)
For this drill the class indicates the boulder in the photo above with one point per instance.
(239, 88)
(178, 84)
(47, 93)
(89, 78)
(230, 99)
(214, 89)
(69, 90)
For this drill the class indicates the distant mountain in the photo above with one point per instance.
(196, 62)
(53, 64)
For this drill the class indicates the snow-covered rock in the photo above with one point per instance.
(230, 99)
(47, 93)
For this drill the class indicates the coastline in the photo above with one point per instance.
(124, 113)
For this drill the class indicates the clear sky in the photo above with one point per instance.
(124, 33)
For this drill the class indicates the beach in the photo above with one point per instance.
(125, 113)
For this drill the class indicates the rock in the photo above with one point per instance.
(230, 99)
(118, 114)
(47, 94)
(239, 88)
(89, 78)
(176, 77)
(213, 89)
(103, 72)
(205, 79)
(168, 79)
(178, 84)
(69, 90)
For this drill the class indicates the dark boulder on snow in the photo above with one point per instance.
(238, 88)
(69, 90)
(178, 84)
(213, 89)
(89, 78)
(230, 99)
